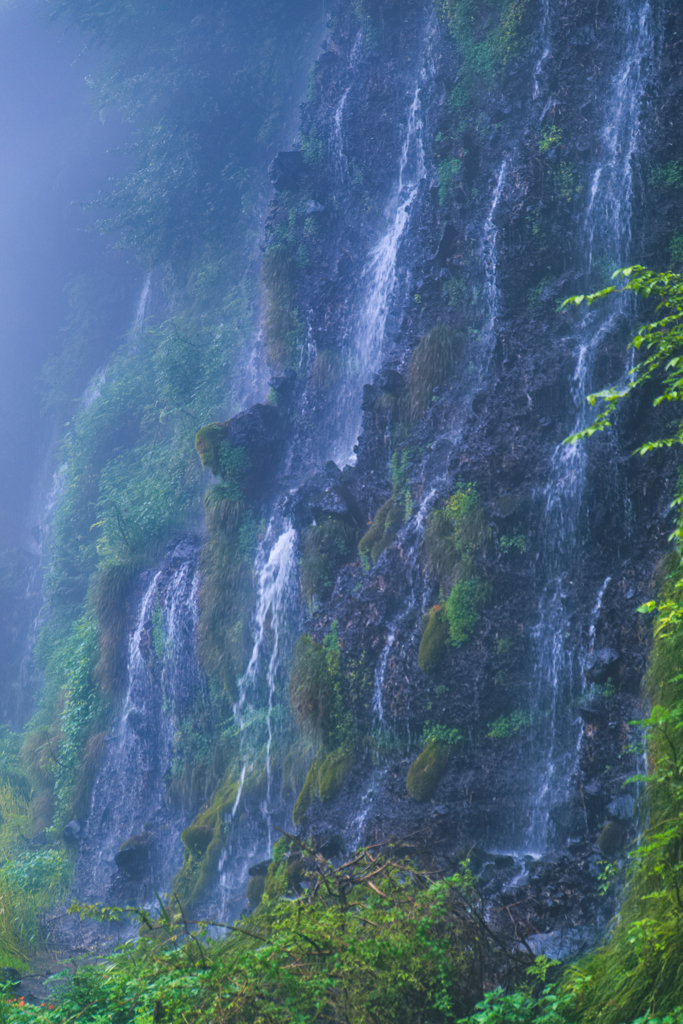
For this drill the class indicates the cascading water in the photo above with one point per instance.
(382, 291)
(259, 712)
(606, 234)
(131, 836)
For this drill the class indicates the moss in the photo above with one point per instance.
(139, 842)
(612, 838)
(311, 686)
(325, 549)
(332, 773)
(466, 599)
(456, 531)
(324, 780)
(224, 507)
(111, 590)
(433, 643)
(208, 444)
(427, 770)
(431, 365)
(281, 324)
(276, 884)
(255, 889)
(226, 595)
(307, 795)
(383, 530)
(196, 839)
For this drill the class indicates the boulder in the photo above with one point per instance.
(134, 855)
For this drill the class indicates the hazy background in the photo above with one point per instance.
(57, 278)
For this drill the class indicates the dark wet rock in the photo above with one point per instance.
(601, 665)
(391, 381)
(286, 170)
(73, 830)
(261, 868)
(134, 856)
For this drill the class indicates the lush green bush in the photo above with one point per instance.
(374, 939)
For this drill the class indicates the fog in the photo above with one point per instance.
(55, 152)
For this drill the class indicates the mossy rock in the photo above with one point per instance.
(255, 889)
(386, 524)
(208, 444)
(434, 638)
(308, 793)
(332, 772)
(196, 839)
(311, 686)
(427, 769)
(612, 838)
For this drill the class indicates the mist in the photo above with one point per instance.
(56, 153)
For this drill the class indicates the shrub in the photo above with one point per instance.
(427, 769)
(255, 889)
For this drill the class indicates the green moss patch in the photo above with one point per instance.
(434, 638)
(382, 532)
(311, 686)
(324, 780)
(427, 769)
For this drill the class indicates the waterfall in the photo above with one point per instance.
(129, 794)
(489, 261)
(381, 290)
(607, 235)
(261, 700)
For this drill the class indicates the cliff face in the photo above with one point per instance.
(471, 203)
(439, 635)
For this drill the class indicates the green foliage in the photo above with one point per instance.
(326, 547)
(207, 86)
(488, 36)
(676, 248)
(549, 137)
(637, 973)
(466, 599)
(667, 175)
(661, 342)
(516, 541)
(433, 642)
(427, 769)
(508, 725)
(375, 939)
(565, 182)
